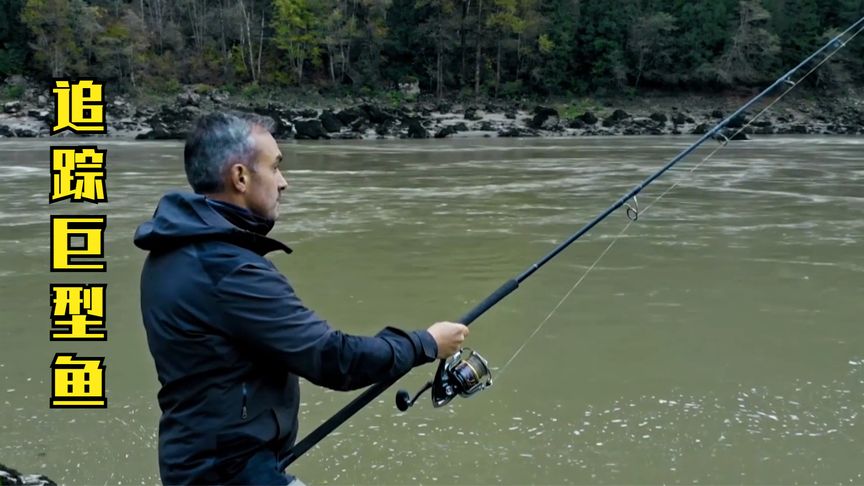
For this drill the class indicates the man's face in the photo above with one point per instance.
(265, 179)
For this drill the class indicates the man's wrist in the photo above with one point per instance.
(428, 351)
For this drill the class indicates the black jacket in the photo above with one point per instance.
(230, 337)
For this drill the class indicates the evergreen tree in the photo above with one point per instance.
(556, 47)
(13, 35)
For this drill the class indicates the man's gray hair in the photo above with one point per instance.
(218, 141)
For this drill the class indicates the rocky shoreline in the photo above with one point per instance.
(31, 114)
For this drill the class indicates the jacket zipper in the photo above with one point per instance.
(243, 413)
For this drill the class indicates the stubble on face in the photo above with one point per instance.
(267, 181)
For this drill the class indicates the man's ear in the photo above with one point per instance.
(238, 177)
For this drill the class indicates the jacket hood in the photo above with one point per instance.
(182, 218)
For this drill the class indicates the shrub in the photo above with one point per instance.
(12, 92)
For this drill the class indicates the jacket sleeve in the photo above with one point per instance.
(261, 310)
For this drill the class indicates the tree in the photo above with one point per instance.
(752, 46)
(119, 48)
(285, 7)
(338, 28)
(847, 67)
(463, 35)
(407, 46)
(556, 57)
(478, 42)
(437, 26)
(159, 13)
(602, 39)
(296, 33)
(797, 25)
(372, 32)
(513, 47)
(651, 42)
(703, 31)
(54, 25)
(196, 14)
(504, 21)
(13, 46)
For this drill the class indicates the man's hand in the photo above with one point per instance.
(449, 336)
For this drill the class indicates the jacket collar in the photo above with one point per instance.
(182, 218)
(252, 227)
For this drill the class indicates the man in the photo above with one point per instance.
(227, 332)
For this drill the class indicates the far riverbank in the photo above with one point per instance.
(296, 117)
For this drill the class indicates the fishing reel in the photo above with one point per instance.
(465, 373)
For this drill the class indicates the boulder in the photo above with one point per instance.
(219, 97)
(659, 117)
(376, 115)
(160, 131)
(16, 80)
(188, 98)
(545, 118)
(700, 129)
(360, 125)
(517, 132)
(471, 114)
(283, 126)
(737, 122)
(12, 107)
(446, 132)
(309, 130)
(416, 129)
(589, 118)
(616, 117)
(385, 128)
(576, 123)
(349, 115)
(330, 122)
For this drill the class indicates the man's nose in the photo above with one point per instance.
(282, 182)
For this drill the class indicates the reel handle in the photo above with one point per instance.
(404, 400)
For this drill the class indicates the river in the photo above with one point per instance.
(719, 340)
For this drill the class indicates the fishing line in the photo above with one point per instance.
(466, 372)
(636, 212)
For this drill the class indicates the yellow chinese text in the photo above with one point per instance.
(78, 382)
(76, 241)
(78, 173)
(79, 106)
(78, 312)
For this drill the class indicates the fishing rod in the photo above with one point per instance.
(466, 372)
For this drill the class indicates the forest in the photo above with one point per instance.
(491, 48)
